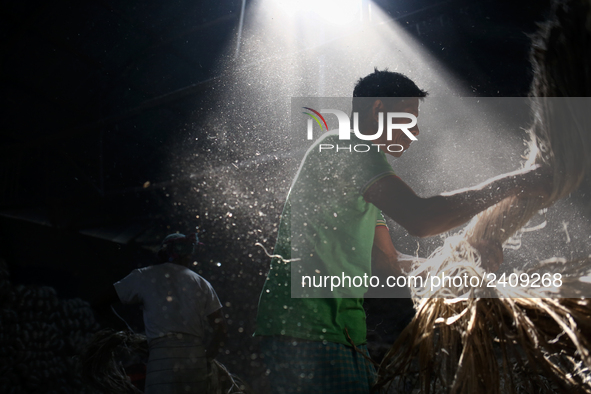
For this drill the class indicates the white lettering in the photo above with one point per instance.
(345, 132)
(346, 277)
(369, 137)
(332, 284)
(403, 284)
(433, 285)
(355, 281)
(402, 126)
(344, 123)
(314, 282)
(310, 126)
(390, 150)
(371, 281)
(378, 146)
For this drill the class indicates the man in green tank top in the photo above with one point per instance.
(332, 225)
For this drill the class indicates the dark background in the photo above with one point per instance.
(124, 121)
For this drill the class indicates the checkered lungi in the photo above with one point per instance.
(300, 366)
(176, 364)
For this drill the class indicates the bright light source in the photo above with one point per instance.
(337, 12)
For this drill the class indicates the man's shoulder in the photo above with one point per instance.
(165, 269)
(150, 269)
(196, 277)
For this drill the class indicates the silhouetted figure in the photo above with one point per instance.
(176, 302)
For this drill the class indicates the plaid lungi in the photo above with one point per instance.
(300, 366)
(176, 364)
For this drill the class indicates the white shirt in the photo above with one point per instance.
(175, 299)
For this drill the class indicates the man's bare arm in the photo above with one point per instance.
(384, 255)
(424, 217)
(386, 260)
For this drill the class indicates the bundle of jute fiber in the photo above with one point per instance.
(516, 344)
(511, 339)
(102, 369)
(101, 360)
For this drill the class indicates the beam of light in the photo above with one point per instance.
(251, 154)
(247, 154)
(337, 12)
(240, 26)
(289, 50)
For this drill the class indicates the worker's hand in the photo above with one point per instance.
(407, 263)
(491, 254)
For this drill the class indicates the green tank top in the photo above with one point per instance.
(328, 226)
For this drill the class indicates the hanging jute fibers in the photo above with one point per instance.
(511, 340)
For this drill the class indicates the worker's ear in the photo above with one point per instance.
(376, 108)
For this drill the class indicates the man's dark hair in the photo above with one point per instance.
(383, 84)
(387, 84)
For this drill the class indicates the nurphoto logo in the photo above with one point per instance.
(345, 129)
